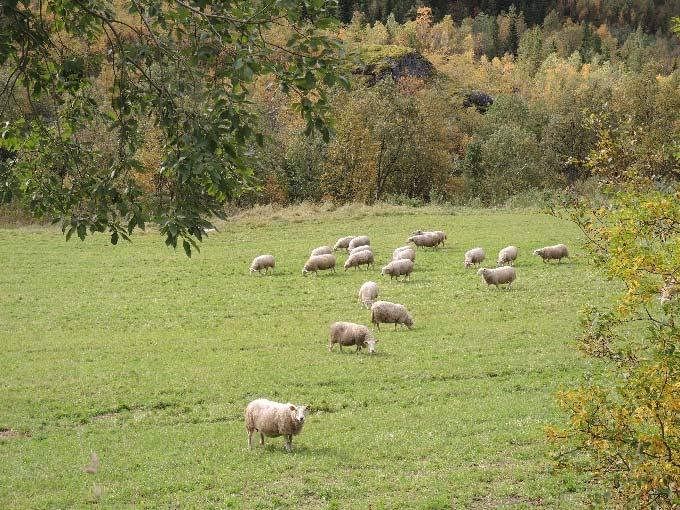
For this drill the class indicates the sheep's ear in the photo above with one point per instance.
(292, 407)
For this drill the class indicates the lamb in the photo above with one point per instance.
(368, 293)
(342, 243)
(397, 268)
(359, 241)
(319, 263)
(359, 258)
(409, 254)
(474, 256)
(558, 251)
(429, 240)
(365, 247)
(348, 333)
(322, 250)
(507, 255)
(262, 262)
(498, 276)
(439, 234)
(273, 419)
(384, 311)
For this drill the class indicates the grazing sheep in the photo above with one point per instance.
(322, 250)
(397, 268)
(262, 262)
(342, 243)
(319, 263)
(507, 255)
(368, 293)
(365, 247)
(428, 240)
(558, 251)
(348, 333)
(409, 254)
(359, 258)
(498, 276)
(439, 234)
(474, 256)
(384, 311)
(359, 241)
(401, 248)
(273, 419)
(670, 289)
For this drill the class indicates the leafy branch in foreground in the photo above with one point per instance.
(177, 74)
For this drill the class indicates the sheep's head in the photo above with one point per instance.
(298, 413)
(482, 271)
(369, 344)
(417, 232)
(539, 252)
(304, 271)
(384, 271)
(408, 321)
(468, 262)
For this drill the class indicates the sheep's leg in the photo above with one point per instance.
(395, 326)
(330, 347)
(250, 439)
(261, 439)
(377, 325)
(289, 443)
(497, 287)
(358, 349)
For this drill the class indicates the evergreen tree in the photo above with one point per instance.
(387, 10)
(513, 39)
(495, 39)
(345, 10)
(586, 48)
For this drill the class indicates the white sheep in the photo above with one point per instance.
(368, 293)
(342, 243)
(319, 263)
(439, 234)
(498, 276)
(558, 251)
(401, 248)
(507, 255)
(386, 312)
(359, 241)
(474, 256)
(397, 268)
(348, 333)
(262, 262)
(409, 254)
(365, 247)
(273, 419)
(359, 258)
(425, 240)
(321, 250)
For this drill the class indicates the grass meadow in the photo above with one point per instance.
(148, 358)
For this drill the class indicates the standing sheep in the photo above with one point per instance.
(401, 248)
(474, 256)
(342, 243)
(409, 254)
(439, 234)
(498, 276)
(322, 250)
(558, 251)
(365, 247)
(425, 240)
(273, 419)
(319, 263)
(359, 241)
(262, 262)
(397, 268)
(507, 255)
(368, 293)
(348, 333)
(359, 258)
(386, 312)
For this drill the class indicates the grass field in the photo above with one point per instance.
(148, 358)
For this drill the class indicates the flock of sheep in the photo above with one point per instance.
(273, 419)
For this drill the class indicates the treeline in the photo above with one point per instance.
(651, 16)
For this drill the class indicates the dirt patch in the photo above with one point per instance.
(11, 433)
(105, 416)
(487, 502)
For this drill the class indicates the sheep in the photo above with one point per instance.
(427, 239)
(558, 251)
(401, 248)
(670, 289)
(319, 263)
(409, 254)
(359, 241)
(348, 333)
(322, 250)
(474, 256)
(367, 293)
(359, 258)
(384, 311)
(262, 262)
(498, 276)
(365, 247)
(273, 419)
(343, 242)
(397, 268)
(507, 255)
(439, 234)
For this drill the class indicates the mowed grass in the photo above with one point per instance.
(149, 358)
